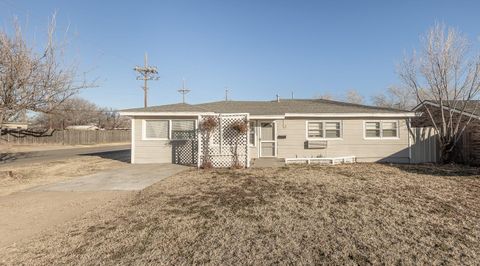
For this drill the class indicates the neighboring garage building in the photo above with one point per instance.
(467, 150)
(278, 129)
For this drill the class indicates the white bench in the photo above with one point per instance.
(331, 160)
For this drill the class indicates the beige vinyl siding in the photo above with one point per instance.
(351, 142)
(151, 151)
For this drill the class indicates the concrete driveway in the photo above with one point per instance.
(132, 177)
(40, 209)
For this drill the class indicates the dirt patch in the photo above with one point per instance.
(20, 177)
(24, 215)
(346, 214)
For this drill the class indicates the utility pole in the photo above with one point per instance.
(226, 93)
(146, 73)
(183, 91)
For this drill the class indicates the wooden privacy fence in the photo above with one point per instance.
(424, 148)
(70, 137)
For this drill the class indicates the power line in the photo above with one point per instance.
(227, 90)
(183, 91)
(146, 73)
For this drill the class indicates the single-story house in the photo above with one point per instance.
(468, 148)
(296, 128)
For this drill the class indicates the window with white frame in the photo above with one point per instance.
(381, 129)
(389, 129)
(324, 129)
(183, 129)
(315, 129)
(156, 129)
(332, 130)
(251, 128)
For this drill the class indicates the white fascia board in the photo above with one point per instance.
(446, 108)
(164, 113)
(405, 114)
(266, 117)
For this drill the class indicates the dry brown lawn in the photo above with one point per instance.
(347, 214)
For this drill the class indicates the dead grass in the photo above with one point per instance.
(348, 214)
(19, 177)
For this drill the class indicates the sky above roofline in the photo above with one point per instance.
(256, 48)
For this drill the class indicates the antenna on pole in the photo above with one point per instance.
(183, 91)
(146, 73)
(226, 93)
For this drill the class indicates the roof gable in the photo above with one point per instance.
(472, 107)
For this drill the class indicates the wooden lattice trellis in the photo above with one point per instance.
(184, 152)
(224, 146)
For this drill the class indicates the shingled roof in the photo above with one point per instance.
(294, 106)
(472, 107)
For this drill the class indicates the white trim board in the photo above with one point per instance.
(354, 115)
(445, 107)
(164, 113)
(132, 151)
(266, 117)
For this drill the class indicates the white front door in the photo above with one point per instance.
(268, 139)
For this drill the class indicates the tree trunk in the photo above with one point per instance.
(447, 154)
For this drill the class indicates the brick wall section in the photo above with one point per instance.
(468, 149)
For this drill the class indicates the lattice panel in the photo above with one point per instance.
(224, 146)
(185, 152)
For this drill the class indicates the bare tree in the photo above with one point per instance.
(324, 96)
(444, 72)
(396, 97)
(352, 96)
(72, 111)
(111, 119)
(78, 111)
(35, 80)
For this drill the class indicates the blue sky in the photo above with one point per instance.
(257, 48)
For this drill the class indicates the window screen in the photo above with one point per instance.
(315, 130)
(156, 129)
(389, 129)
(183, 129)
(372, 129)
(332, 129)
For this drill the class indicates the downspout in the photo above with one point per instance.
(248, 141)
(410, 132)
(199, 142)
(132, 149)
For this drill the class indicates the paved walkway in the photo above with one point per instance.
(132, 177)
